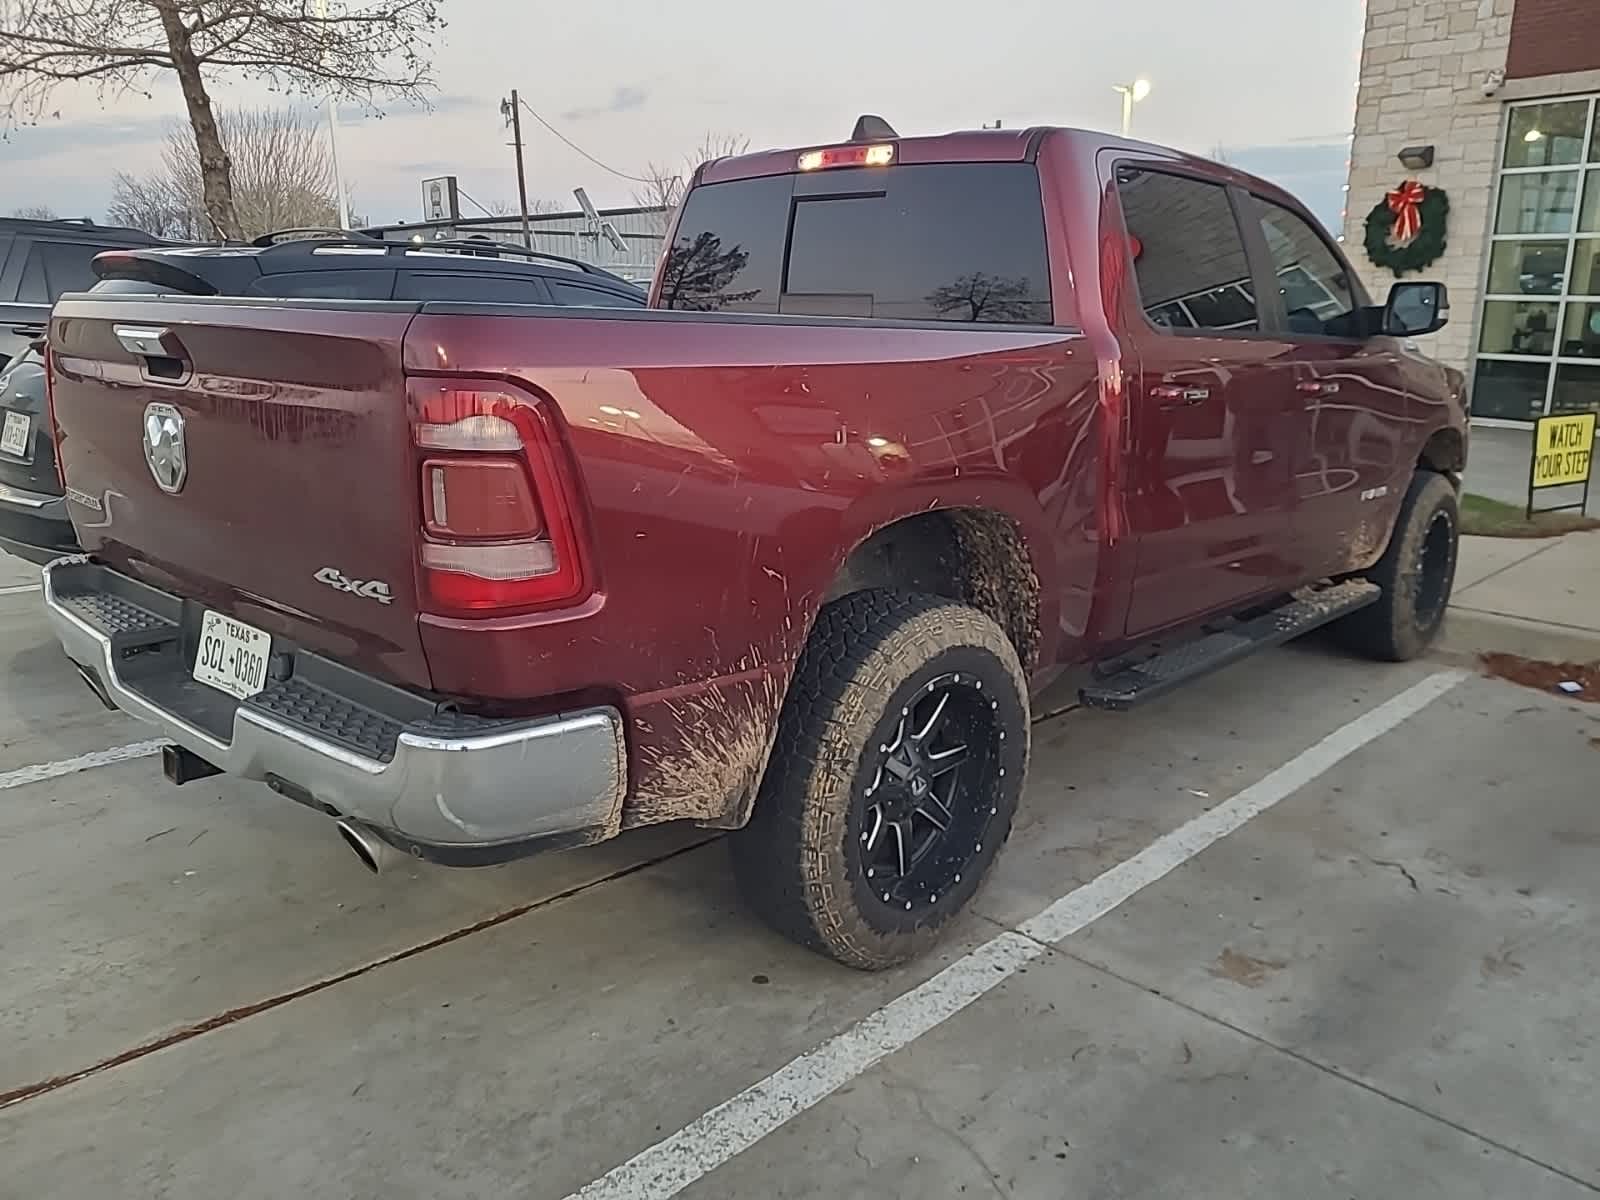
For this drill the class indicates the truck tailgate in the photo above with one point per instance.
(254, 458)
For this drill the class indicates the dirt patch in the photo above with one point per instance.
(1244, 969)
(1500, 966)
(1546, 676)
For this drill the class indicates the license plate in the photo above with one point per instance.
(232, 656)
(14, 437)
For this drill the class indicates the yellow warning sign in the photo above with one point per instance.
(1563, 449)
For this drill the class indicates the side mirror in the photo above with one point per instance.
(1414, 309)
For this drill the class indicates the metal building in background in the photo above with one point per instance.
(573, 234)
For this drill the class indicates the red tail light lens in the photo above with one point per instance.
(477, 499)
(499, 531)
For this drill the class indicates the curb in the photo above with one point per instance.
(1468, 632)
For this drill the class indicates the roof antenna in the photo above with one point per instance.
(872, 129)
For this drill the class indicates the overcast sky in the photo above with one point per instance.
(1270, 81)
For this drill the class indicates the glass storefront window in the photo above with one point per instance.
(1518, 327)
(1580, 335)
(1539, 324)
(1540, 202)
(1546, 135)
(1577, 388)
(1589, 219)
(1586, 268)
(1512, 391)
(1528, 268)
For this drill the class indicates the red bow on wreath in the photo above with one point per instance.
(1405, 202)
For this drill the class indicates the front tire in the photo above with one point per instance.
(1417, 572)
(897, 769)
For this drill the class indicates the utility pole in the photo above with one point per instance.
(512, 110)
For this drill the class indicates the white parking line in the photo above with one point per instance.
(735, 1125)
(20, 589)
(39, 772)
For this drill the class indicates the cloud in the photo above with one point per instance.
(50, 139)
(623, 99)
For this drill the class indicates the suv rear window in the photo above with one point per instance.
(935, 242)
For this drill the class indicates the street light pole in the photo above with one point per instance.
(333, 139)
(512, 110)
(1131, 94)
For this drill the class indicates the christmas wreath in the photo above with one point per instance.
(1406, 229)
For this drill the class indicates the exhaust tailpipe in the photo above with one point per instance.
(372, 851)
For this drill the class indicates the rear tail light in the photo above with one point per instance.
(499, 532)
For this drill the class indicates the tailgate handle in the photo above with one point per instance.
(162, 351)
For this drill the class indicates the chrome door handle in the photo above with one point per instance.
(1318, 387)
(1180, 393)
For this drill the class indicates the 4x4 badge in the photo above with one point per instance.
(371, 589)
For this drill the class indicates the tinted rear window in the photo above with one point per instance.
(67, 266)
(939, 242)
(475, 287)
(329, 285)
(578, 296)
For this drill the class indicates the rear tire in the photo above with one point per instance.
(1416, 573)
(907, 713)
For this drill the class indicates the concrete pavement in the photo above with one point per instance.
(1537, 597)
(1378, 985)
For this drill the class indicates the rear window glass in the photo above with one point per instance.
(328, 285)
(477, 287)
(578, 296)
(937, 242)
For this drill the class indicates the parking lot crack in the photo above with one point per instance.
(1394, 866)
(242, 1012)
(894, 1084)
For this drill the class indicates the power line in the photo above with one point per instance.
(574, 145)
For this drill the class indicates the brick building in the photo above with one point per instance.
(1504, 92)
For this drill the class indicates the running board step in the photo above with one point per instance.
(1130, 686)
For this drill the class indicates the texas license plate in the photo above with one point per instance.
(233, 656)
(14, 436)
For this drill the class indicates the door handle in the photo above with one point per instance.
(162, 353)
(1318, 387)
(1180, 394)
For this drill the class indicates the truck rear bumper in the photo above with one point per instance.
(436, 784)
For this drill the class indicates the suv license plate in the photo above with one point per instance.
(233, 656)
(14, 437)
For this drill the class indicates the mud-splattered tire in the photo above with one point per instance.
(835, 855)
(1416, 573)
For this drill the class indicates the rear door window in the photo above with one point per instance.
(1188, 254)
(32, 288)
(578, 296)
(67, 266)
(935, 242)
(327, 285)
(471, 288)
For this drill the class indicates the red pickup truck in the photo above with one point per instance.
(912, 427)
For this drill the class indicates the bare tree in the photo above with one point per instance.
(282, 174)
(357, 50)
(665, 184)
(537, 207)
(35, 212)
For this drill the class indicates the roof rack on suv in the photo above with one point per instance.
(462, 247)
(310, 233)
